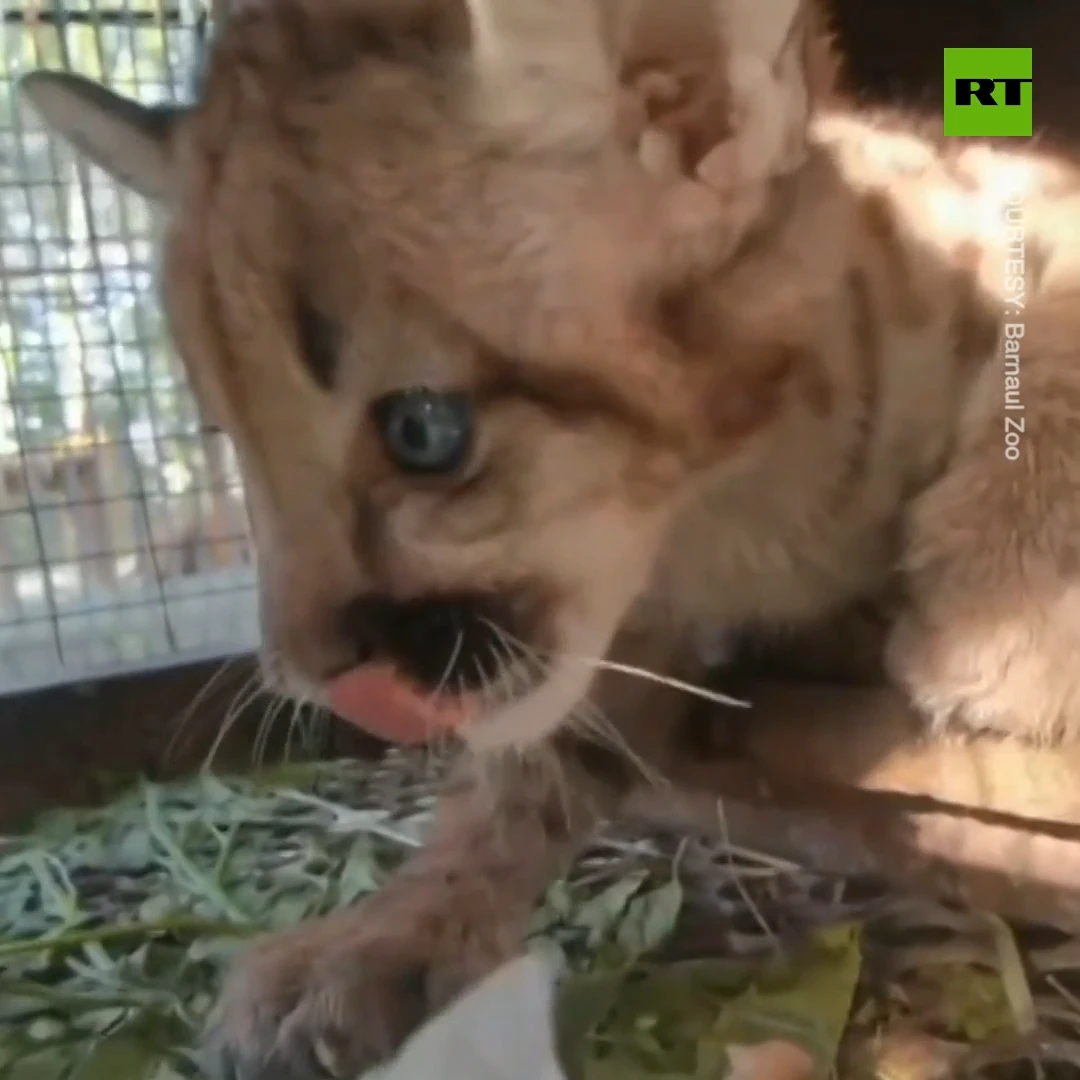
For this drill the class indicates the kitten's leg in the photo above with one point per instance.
(339, 994)
(991, 635)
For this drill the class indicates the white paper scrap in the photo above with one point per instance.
(503, 1029)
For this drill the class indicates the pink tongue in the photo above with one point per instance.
(376, 699)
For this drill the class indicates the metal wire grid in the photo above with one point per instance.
(122, 534)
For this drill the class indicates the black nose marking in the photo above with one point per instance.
(452, 641)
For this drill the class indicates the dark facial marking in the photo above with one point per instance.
(569, 397)
(319, 343)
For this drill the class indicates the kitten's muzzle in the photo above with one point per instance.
(450, 642)
(427, 665)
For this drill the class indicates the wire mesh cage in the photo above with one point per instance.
(123, 537)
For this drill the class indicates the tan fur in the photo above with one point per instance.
(734, 376)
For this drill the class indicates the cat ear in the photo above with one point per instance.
(760, 28)
(777, 65)
(131, 142)
(790, 38)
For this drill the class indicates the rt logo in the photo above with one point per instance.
(988, 92)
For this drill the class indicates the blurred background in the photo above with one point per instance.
(122, 534)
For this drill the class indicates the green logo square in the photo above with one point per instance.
(988, 92)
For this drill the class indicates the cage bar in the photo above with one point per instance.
(123, 539)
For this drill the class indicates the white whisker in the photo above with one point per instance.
(713, 696)
(313, 727)
(455, 654)
(295, 722)
(506, 672)
(188, 714)
(665, 680)
(594, 720)
(243, 697)
(525, 663)
(266, 727)
(511, 678)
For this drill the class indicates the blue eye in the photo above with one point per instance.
(425, 431)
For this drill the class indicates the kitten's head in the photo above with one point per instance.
(418, 266)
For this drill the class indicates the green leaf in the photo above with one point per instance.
(582, 1005)
(287, 911)
(118, 1056)
(806, 1002)
(677, 1020)
(1014, 980)
(600, 915)
(650, 919)
(972, 1003)
(359, 876)
(49, 1064)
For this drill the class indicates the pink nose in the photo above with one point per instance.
(376, 698)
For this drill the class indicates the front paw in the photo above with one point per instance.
(339, 995)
